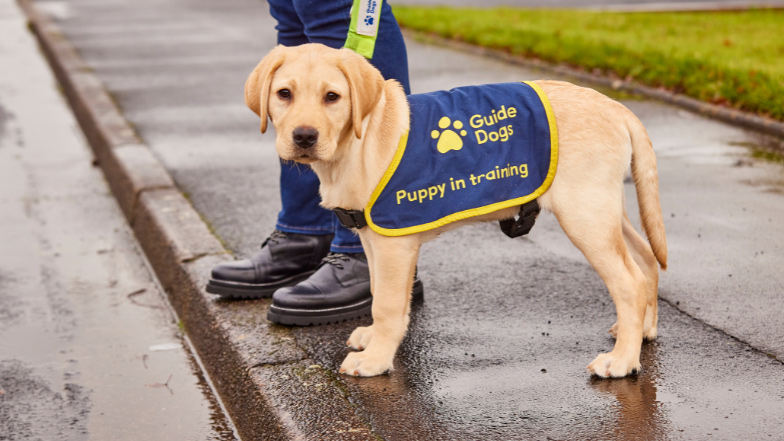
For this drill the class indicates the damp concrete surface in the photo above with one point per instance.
(498, 349)
(88, 346)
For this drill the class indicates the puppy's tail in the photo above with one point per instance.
(646, 182)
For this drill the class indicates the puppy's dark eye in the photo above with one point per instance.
(284, 94)
(331, 97)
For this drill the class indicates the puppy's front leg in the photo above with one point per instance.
(362, 335)
(392, 270)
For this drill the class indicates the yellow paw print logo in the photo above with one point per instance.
(448, 139)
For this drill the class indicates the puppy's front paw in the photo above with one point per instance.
(609, 365)
(363, 364)
(360, 338)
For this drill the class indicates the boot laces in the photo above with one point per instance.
(335, 259)
(274, 238)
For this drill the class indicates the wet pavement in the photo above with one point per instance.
(89, 349)
(499, 349)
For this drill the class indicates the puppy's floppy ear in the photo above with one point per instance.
(257, 87)
(365, 84)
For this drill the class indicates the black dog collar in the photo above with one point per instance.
(351, 218)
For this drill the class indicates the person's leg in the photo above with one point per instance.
(340, 288)
(390, 56)
(300, 212)
(328, 23)
(291, 31)
(299, 196)
(304, 230)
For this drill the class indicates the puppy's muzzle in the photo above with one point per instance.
(305, 137)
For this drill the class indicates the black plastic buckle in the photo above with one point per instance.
(523, 224)
(351, 218)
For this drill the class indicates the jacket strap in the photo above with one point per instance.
(511, 227)
(523, 224)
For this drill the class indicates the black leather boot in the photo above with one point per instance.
(285, 259)
(339, 290)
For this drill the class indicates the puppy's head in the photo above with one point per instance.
(314, 96)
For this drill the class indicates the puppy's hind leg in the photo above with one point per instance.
(594, 225)
(393, 263)
(646, 260)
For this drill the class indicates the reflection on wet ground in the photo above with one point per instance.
(639, 408)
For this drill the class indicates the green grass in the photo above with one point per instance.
(728, 58)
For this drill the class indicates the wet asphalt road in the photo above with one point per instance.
(499, 349)
(88, 347)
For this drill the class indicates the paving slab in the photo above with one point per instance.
(499, 348)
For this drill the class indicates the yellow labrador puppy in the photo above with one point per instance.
(352, 120)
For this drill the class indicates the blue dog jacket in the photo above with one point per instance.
(469, 151)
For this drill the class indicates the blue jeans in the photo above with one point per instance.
(327, 22)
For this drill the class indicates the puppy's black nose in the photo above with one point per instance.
(305, 136)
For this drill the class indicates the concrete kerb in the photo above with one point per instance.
(134, 170)
(732, 116)
(251, 362)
